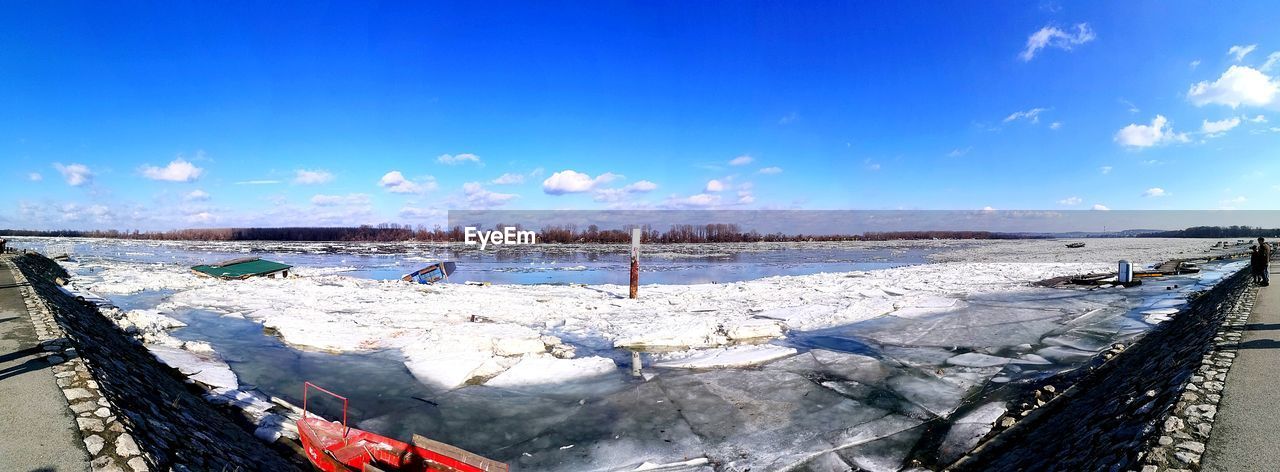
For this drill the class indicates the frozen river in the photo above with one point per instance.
(870, 366)
(554, 264)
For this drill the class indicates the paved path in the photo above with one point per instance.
(1246, 432)
(39, 432)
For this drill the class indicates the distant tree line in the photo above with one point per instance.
(392, 232)
(1235, 231)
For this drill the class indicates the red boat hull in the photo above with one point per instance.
(333, 448)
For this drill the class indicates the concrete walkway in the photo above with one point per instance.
(39, 429)
(1246, 432)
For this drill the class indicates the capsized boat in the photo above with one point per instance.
(432, 273)
(335, 447)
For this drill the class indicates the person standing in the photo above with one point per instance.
(1255, 265)
(1264, 256)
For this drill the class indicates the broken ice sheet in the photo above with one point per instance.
(967, 430)
(735, 356)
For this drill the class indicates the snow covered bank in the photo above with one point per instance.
(451, 334)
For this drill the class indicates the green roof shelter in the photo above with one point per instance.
(243, 268)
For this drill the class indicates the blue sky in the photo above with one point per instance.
(191, 115)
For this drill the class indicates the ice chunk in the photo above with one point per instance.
(736, 356)
(885, 454)
(446, 370)
(1065, 355)
(207, 369)
(969, 429)
(754, 329)
(515, 346)
(973, 359)
(935, 395)
(673, 466)
(1077, 339)
(536, 370)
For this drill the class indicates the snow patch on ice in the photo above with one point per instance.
(736, 356)
(208, 369)
(537, 370)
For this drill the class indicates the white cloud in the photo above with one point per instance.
(1194, 64)
(35, 177)
(257, 182)
(570, 181)
(1218, 128)
(201, 217)
(957, 152)
(508, 179)
(196, 195)
(419, 213)
(1239, 85)
(714, 185)
(1141, 136)
(1272, 60)
(1105, 169)
(1155, 192)
(75, 174)
(988, 208)
(1258, 119)
(741, 160)
(453, 159)
(1051, 36)
(307, 177)
(1055, 125)
(395, 182)
(641, 186)
(1071, 201)
(1230, 203)
(178, 170)
(701, 200)
(1100, 207)
(745, 197)
(770, 170)
(789, 118)
(478, 197)
(1240, 51)
(617, 194)
(340, 200)
(1129, 106)
(1032, 115)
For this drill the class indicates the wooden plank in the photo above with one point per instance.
(458, 453)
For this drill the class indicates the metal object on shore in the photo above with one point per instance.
(1125, 273)
(636, 366)
(635, 262)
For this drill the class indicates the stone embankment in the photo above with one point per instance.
(134, 413)
(1148, 406)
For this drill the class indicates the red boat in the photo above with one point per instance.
(333, 447)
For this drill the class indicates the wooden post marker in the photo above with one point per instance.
(635, 262)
